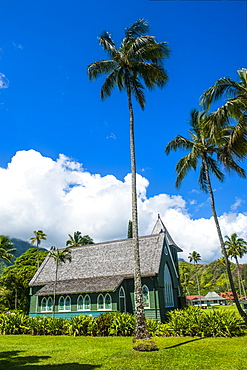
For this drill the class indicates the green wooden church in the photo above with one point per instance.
(99, 279)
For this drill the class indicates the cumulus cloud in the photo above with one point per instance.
(60, 197)
(4, 82)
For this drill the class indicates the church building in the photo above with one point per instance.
(99, 279)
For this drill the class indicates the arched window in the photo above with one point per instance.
(49, 304)
(43, 304)
(145, 293)
(168, 290)
(87, 302)
(67, 304)
(80, 303)
(122, 303)
(108, 302)
(100, 302)
(61, 304)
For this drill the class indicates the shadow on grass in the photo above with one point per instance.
(12, 361)
(181, 344)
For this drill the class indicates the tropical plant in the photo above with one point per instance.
(185, 279)
(39, 235)
(59, 256)
(195, 257)
(221, 262)
(237, 247)
(202, 148)
(138, 62)
(15, 280)
(6, 249)
(78, 240)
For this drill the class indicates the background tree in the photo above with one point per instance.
(39, 235)
(222, 262)
(202, 148)
(59, 256)
(195, 257)
(15, 279)
(78, 240)
(185, 280)
(237, 247)
(6, 249)
(138, 62)
(130, 232)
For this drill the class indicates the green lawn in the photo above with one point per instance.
(25, 352)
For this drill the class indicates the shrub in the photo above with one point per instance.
(122, 324)
(82, 325)
(145, 345)
(193, 321)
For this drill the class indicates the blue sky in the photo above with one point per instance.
(51, 106)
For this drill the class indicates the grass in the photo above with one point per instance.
(24, 352)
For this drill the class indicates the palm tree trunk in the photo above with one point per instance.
(239, 278)
(54, 291)
(141, 328)
(222, 244)
(198, 285)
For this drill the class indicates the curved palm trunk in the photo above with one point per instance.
(141, 328)
(222, 244)
(54, 291)
(198, 284)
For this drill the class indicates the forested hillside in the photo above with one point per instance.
(212, 277)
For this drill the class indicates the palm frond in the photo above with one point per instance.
(99, 68)
(179, 142)
(152, 74)
(110, 82)
(137, 29)
(108, 44)
(183, 166)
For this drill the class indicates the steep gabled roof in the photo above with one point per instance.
(101, 267)
(213, 296)
(159, 227)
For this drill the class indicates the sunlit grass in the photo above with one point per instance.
(86, 353)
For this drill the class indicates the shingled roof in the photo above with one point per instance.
(100, 267)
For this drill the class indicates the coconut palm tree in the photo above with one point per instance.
(195, 257)
(60, 256)
(39, 235)
(184, 278)
(221, 262)
(234, 107)
(137, 63)
(236, 247)
(6, 249)
(202, 149)
(78, 240)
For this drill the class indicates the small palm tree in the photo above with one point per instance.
(138, 62)
(39, 235)
(60, 256)
(202, 149)
(236, 247)
(6, 249)
(78, 240)
(195, 257)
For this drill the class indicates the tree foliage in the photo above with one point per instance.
(14, 292)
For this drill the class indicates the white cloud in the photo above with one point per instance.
(237, 203)
(60, 197)
(4, 82)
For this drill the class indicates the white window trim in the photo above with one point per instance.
(146, 307)
(84, 299)
(100, 309)
(122, 297)
(108, 309)
(50, 310)
(41, 309)
(80, 309)
(67, 310)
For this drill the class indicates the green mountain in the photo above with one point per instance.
(212, 277)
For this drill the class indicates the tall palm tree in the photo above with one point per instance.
(202, 149)
(195, 257)
(6, 249)
(221, 262)
(60, 256)
(137, 63)
(234, 107)
(236, 247)
(39, 235)
(78, 240)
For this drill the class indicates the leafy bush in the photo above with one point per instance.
(193, 321)
(82, 325)
(122, 324)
